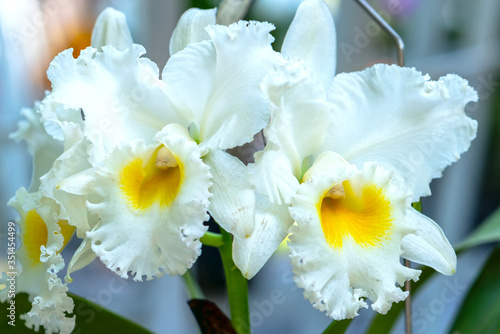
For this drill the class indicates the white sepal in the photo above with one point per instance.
(312, 38)
(233, 200)
(428, 245)
(82, 257)
(296, 131)
(274, 175)
(271, 227)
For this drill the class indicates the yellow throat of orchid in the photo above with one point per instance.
(363, 215)
(156, 182)
(36, 235)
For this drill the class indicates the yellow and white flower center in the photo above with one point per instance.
(36, 235)
(156, 182)
(363, 215)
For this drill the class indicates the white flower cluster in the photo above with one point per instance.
(135, 162)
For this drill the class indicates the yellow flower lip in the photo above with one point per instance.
(36, 235)
(157, 181)
(363, 214)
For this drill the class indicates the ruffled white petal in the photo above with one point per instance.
(43, 147)
(297, 129)
(111, 29)
(311, 37)
(67, 125)
(299, 111)
(63, 124)
(398, 118)
(191, 28)
(48, 308)
(233, 200)
(428, 245)
(118, 93)
(217, 82)
(72, 204)
(37, 276)
(337, 279)
(156, 239)
(271, 227)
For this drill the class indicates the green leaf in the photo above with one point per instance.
(22, 305)
(488, 231)
(90, 318)
(338, 327)
(204, 4)
(480, 312)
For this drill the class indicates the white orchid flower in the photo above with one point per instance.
(396, 120)
(42, 236)
(388, 132)
(151, 142)
(42, 232)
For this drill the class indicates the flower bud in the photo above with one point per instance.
(111, 29)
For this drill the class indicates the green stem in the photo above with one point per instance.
(192, 286)
(237, 287)
(212, 239)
